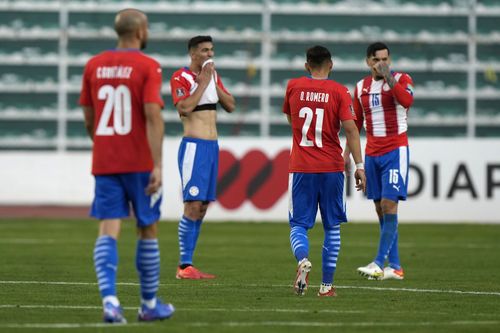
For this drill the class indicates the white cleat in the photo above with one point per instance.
(394, 274)
(372, 271)
(302, 278)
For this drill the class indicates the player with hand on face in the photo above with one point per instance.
(316, 107)
(382, 101)
(196, 90)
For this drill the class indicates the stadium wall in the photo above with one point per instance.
(451, 180)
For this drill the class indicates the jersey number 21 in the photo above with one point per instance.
(308, 114)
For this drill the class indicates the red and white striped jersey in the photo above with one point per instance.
(384, 112)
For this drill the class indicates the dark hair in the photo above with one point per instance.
(193, 42)
(374, 47)
(317, 55)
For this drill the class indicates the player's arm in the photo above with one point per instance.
(358, 111)
(400, 89)
(354, 146)
(155, 129)
(88, 116)
(286, 105)
(225, 99)
(186, 106)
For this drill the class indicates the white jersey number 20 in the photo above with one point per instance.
(119, 106)
(308, 113)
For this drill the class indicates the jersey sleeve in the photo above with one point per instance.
(358, 110)
(152, 86)
(85, 96)
(403, 91)
(180, 87)
(346, 112)
(286, 102)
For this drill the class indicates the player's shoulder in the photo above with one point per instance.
(183, 72)
(98, 58)
(294, 81)
(363, 79)
(402, 76)
(337, 87)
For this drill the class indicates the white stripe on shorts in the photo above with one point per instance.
(403, 163)
(290, 194)
(188, 163)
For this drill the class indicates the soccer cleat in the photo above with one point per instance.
(192, 273)
(391, 273)
(159, 312)
(113, 314)
(372, 271)
(302, 278)
(327, 290)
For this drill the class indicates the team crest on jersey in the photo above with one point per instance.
(179, 92)
(194, 191)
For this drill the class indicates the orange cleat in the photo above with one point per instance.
(327, 290)
(395, 274)
(192, 273)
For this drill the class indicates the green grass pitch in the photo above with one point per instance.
(452, 284)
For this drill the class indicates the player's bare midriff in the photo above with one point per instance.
(201, 124)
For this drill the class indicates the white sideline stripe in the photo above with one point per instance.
(69, 325)
(414, 290)
(262, 323)
(95, 307)
(342, 324)
(23, 241)
(441, 291)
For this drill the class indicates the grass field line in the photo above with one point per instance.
(34, 241)
(342, 324)
(255, 324)
(70, 325)
(204, 309)
(414, 290)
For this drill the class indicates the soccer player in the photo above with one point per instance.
(196, 90)
(382, 100)
(316, 107)
(122, 107)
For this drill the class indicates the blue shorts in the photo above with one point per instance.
(198, 166)
(115, 193)
(308, 190)
(387, 175)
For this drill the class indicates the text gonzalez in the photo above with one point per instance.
(114, 72)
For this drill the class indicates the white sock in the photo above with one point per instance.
(149, 303)
(111, 299)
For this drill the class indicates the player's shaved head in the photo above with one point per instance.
(128, 21)
(318, 56)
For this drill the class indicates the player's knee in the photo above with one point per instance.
(388, 206)
(148, 232)
(194, 210)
